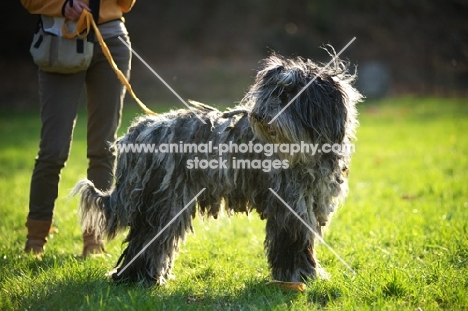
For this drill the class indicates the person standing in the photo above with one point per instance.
(59, 97)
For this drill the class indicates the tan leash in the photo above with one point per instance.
(84, 22)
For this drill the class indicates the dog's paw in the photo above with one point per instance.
(289, 286)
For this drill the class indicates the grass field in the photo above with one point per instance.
(403, 229)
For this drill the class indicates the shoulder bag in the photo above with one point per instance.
(55, 49)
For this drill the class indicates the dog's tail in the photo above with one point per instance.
(95, 210)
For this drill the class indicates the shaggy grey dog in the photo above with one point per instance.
(152, 187)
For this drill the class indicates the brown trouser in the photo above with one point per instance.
(59, 97)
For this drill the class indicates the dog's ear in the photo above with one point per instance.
(322, 111)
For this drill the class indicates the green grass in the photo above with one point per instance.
(403, 229)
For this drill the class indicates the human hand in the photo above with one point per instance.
(73, 9)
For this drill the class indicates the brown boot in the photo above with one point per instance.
(92, 245)
(38, 230)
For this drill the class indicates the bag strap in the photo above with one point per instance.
(95, 5)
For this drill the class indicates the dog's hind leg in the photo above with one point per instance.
(153, 243)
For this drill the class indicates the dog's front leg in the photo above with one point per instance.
(290, 249)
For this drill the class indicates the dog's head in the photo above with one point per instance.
(323, 113)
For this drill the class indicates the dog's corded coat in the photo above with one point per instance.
(151, 188)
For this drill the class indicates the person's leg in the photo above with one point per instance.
(59, 96)
(105, 101)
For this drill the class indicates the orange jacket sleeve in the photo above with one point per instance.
(109, 10)
(45, 7)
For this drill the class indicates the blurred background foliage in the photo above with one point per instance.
(208, 50)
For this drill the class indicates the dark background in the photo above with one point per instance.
(208, 50)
